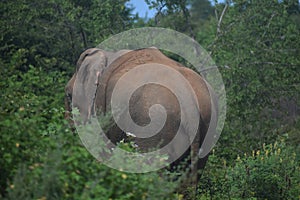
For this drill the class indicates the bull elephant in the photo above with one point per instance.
(99, 71)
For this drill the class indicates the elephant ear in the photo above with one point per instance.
(90, 66)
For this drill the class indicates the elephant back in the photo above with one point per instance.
(122, 65)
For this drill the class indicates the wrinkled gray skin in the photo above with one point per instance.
(91, 70)
(91, 64)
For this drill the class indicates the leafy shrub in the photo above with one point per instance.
(28, 109)
(68, 171)
(273, 172)
(270, 173)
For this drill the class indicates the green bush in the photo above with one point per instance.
(270, 173)
(68, 171)
(273, 172)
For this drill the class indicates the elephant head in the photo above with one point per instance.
(89, 68)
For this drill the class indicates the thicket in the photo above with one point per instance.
(256, 45)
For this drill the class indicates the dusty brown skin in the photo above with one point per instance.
(100, 71)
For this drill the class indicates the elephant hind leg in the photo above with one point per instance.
(190, 186)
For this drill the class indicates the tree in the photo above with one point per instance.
(258, 43)
(186, 16)
(56, 32)
(172, 14)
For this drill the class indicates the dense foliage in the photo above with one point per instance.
(256, 45)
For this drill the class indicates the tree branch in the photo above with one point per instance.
(221, 18)
(83, 36)
(187, 19)
(268, 26)
(159, 12)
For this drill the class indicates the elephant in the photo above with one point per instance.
(99, 71)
